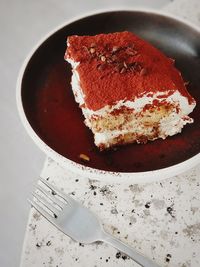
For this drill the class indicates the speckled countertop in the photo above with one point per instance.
(161, 219)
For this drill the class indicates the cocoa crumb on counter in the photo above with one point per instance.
(170, 210)
(38, 245)
(120, 255)
(147, 205)
(92, 187)
(168, 257)
(48, 243)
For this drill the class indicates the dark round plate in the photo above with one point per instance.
(51, 110)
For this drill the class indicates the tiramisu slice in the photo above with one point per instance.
(127, 89)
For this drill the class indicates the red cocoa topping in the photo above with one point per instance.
(121, 66)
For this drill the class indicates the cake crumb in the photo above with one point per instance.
(84, 157)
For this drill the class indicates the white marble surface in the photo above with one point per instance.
(22, 24)
(160, 220)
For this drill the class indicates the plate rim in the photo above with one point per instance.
(85, 171)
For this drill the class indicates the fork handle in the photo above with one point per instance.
(133, 254)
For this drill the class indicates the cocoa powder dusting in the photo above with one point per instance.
(120, 66)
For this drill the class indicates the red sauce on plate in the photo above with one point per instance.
(57, 119)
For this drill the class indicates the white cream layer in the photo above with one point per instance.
(168, 126)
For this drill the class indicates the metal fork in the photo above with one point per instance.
(76, 221)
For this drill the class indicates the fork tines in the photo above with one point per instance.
(49, 200)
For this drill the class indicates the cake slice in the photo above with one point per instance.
(127, 89)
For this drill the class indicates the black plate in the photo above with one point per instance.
(53, 114)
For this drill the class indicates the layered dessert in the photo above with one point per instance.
(128, 90)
